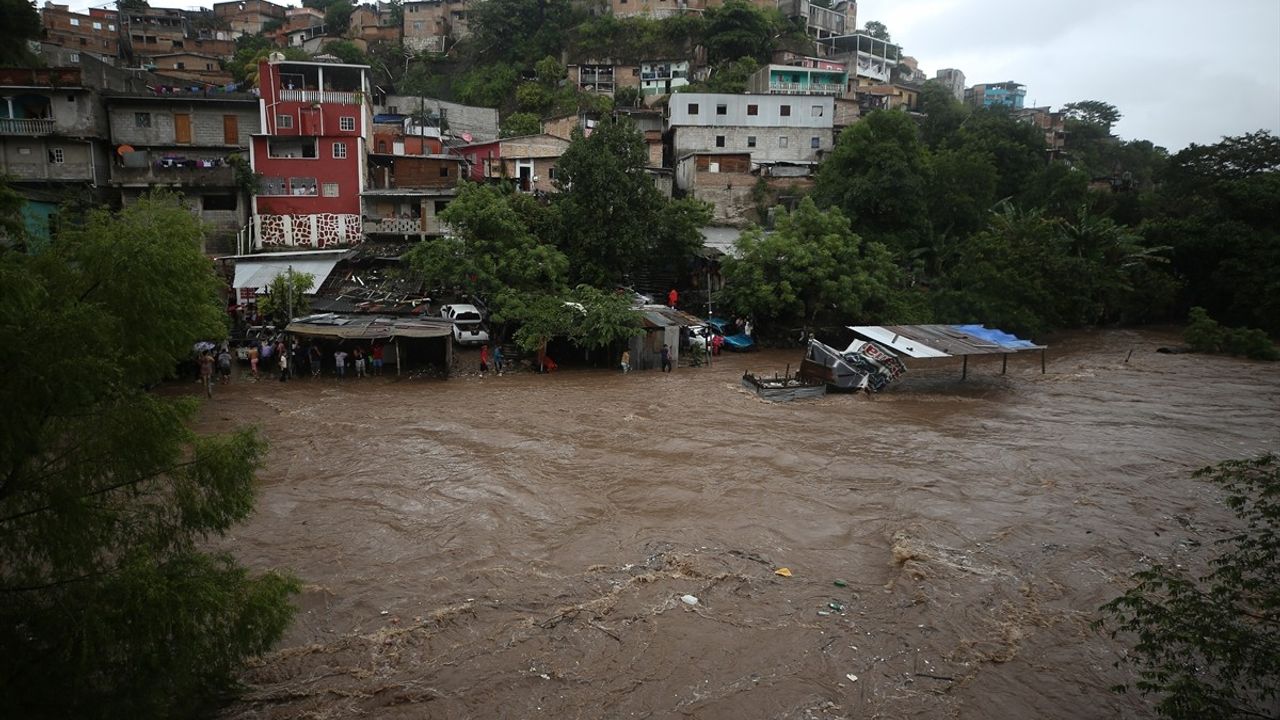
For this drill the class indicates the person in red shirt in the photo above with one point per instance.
(484, 360)
(672, 297)
(376, 354)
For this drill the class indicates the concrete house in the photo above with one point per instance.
(52, 136)
(770, 128)
(185, 143)
(529, 160)
(315, 128)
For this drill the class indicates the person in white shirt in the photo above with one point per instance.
(340, 362)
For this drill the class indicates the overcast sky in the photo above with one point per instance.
(1179, 71)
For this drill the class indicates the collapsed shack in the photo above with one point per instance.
(373, 278)
(784, 388)
(406, 342)
(870, 361)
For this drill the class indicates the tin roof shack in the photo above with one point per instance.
(407, 342)
(254, 273)
(662, 325)
(185, 142)
(469, 123)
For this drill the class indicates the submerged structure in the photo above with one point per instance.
(871, 361)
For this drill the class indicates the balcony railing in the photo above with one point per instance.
(25, 126)
(393, 226)
(790, 88)
(178, 175)
(335, 97)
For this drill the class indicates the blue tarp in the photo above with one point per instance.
(996, 337)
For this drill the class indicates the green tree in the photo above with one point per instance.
(813, 268)
(877, 175)
(337, 17)
(1093, 112)
(514, 31)
(943, 113)
(13, 228)
(627, 97)
(1206, 644)
(738, 29)
(521, 123)
(492, 250)
(1016, 148)
(346, 51)
(877, 30)
(488, 85)
(21, 23)
(286, 297)
(730, 76)
(613, 220)
(589, 317)
(109, 606)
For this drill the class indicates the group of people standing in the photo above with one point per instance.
(293, 360)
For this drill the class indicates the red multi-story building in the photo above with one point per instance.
(311, 153)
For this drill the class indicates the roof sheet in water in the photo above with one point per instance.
(933, 341)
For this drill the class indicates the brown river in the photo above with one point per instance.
(518, 546)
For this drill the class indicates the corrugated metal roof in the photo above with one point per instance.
(933, 341)
(368, 328)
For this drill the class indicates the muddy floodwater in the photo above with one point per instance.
(518, 546)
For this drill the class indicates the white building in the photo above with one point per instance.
(771, 128)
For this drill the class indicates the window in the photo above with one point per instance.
(179, 66)
(302, 186)
(347, 124)
(782, 141)
(142, 119)
(208, 66)
(219, 202)
(331, 189)
(722, 109)
(417, 25)
(284, 122)
(551, 172)
(339, 151)
(71, 98)
(444, 171)
(111, 27)
(719, 141)
(55, 156)
(75, 57)
(815, 143)
(753, 109)
(751, 141)
(273, 186)
(816, 111)
(440, 205)
(785, 111)
(83, 42)
(75, 22)
(176, 43)
(693, 108)
(97, 26)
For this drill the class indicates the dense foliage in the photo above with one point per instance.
(109, 606)
(1207, 644)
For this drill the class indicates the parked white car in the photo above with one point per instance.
(468, 324)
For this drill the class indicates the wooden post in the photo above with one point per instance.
(397, 358)
(1004, 363)
(1041, 362)
(964, 370)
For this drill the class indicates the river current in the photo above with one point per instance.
(518, 546)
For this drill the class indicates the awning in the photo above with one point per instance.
(257, 272)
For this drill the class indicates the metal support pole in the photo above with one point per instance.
(1041, 362)
(964, 370)
(397, 342)
(1004, 363)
